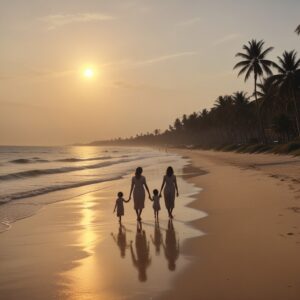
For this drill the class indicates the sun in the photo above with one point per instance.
(88, 73)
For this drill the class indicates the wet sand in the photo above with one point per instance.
(252, 242)
(76, 249)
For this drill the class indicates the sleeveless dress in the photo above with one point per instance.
(169, 191)
(156, 204)
(139, 192)
(120, 207)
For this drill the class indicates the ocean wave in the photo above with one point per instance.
(41, 172)
(28, 161)
(69, 159)
(74, 159)
(49, 189)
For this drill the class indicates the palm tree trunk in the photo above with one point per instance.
(296, 113)
(261, 133)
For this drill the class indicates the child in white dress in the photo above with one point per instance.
(120, 206)
(156, 204)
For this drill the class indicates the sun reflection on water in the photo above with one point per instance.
(83, 280)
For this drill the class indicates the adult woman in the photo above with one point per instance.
(138, 185)
(170, 184)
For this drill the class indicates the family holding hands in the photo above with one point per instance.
(137, 190)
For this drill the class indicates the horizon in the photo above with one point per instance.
(81, 72)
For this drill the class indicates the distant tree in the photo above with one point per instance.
(298, 30)
(156, 132)
(255, 62)
(282, 125)
(288, 80)
(177, 125)
(242, 111)
(268, 98)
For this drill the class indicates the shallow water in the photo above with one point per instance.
(27, 174)
(83, 251)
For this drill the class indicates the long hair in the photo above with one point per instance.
(169, 171)
(138, 172)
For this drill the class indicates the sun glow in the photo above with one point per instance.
(88, 73)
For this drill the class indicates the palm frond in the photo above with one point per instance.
(267, 70)
(241, 64)
(243, 70)
(265, 52)
(250, 70)
(243, 55)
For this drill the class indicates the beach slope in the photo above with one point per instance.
(252, 242)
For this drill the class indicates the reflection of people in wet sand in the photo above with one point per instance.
(157, 238)
(141, 260)
(120, 239)
(171, 246)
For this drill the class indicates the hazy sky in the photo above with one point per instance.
(153, 60)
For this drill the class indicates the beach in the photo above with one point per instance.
(250, 249)
(235, 235)
(68, 243)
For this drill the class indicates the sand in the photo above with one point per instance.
(250, 250)
(76, 249)
(252, 242)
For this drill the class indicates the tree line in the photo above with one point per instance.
(269, 115)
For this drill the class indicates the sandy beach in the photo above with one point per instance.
(246, 247)
(75, 248)
(251, 247)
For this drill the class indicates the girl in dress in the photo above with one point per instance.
(156, 204)
(170, 184)
(138, 185)
(120, 206)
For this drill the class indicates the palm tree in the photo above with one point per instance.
(268, 97)
(240, 98)
(255, 62)
(288, 79)
(298, 30)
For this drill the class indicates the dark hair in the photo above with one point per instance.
(155, 192)
(120, 194)
(138, 171)
(169, 171)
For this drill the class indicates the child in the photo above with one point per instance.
(120, 206)
(156, 205)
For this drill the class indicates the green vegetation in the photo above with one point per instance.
(266, 121)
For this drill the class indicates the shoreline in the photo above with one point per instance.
(72, 242)
(250, 249)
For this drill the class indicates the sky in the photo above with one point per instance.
(153, 61)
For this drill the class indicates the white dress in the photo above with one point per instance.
(120, 207)
(156, 204)
(169, 191)
(139, 192)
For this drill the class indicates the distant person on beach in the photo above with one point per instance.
(156, 205)
(119, 206)
(170, 187)
(138, 185)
